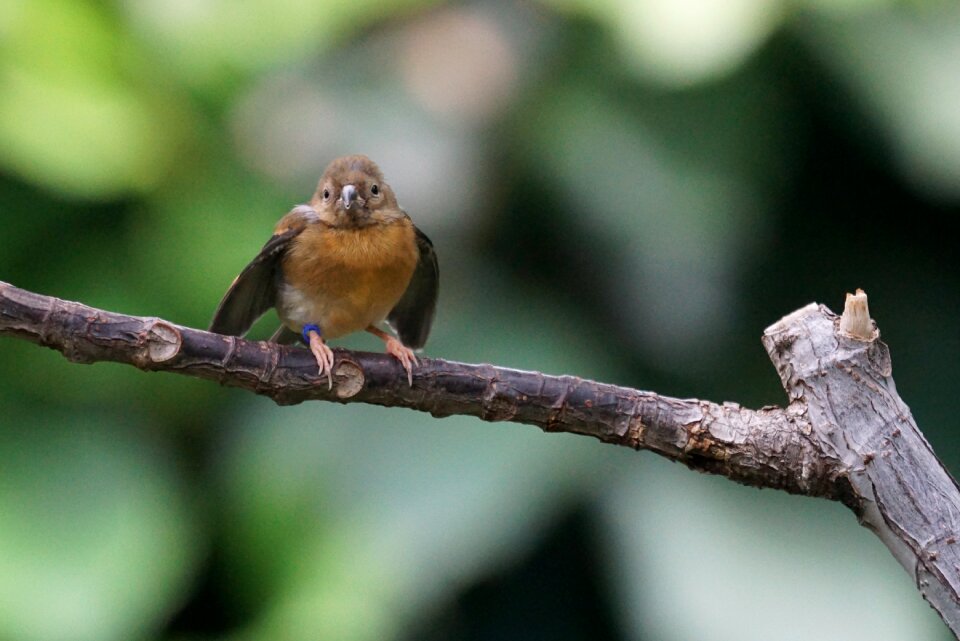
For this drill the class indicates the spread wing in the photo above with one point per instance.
(413, 315)
(254, 291)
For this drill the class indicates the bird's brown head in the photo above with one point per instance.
(352, 193)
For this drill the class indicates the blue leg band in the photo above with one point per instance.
(305, 333)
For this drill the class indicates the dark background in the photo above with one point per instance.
(627, 190)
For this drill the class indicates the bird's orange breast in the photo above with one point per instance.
(346, 279)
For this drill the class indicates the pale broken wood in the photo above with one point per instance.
(855, 321)
(845, 434)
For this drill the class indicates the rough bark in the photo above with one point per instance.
(845, 434)
(841, 380)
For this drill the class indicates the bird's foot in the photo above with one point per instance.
(324, 355)
(398, 350)
(403, 354)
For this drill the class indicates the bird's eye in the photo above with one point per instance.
(326, 194)
(375, 190)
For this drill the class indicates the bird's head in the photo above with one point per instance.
(352, 193)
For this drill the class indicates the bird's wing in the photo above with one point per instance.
(413, 314)
(254, 291)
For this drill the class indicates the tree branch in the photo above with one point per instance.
(845, 435)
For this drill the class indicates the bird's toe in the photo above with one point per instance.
(324, 355)
(403, 354)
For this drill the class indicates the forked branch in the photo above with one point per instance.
(845, 435)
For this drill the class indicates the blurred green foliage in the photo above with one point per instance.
(627, 190)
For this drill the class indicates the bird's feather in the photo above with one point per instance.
(412, 316)
(254, 291)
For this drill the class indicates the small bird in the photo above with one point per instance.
(345, 262)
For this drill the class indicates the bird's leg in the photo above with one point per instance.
(321, 351)
(397, 349)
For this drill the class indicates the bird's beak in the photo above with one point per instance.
(348, 194)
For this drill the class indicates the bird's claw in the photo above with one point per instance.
(324, 355)
(403, 354)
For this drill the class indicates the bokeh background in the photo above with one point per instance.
(627, 190)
